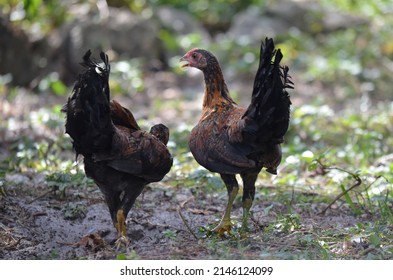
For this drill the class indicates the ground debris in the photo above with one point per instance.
(91, 241)
(7, 239)
(38, 229)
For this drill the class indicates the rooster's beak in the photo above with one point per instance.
(184, 59)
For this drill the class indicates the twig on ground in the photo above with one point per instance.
(10, 241)
(375, 180)
(185, 223)
(353, 175)
(154, 225)
(41, 196)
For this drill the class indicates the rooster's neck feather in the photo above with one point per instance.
(216, 90)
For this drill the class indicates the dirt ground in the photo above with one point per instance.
(39, 229)
(165, 223)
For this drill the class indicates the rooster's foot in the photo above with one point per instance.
(223, 228)
(122, 241)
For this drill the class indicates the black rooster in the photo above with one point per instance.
(118, 155)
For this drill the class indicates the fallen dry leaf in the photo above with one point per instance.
(92, 241)
(198, 211)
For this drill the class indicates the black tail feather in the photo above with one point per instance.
(88, 119)
(287, 78)
(269, 111)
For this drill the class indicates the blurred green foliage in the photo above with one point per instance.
(215, 15)
(41, 15)
(355, 61)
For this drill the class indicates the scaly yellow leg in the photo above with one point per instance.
(248, 197)
(121, 229)
(225, 223)
(247, 203)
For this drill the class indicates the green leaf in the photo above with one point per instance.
(312, 166)
(58, 88)
(32, 7)
(375, 240)
(349, 200)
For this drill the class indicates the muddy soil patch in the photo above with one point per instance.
(32, 228)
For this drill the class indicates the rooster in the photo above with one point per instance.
(120, 157)
(230, 139)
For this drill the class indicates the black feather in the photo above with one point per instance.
(270, 103)
(88, 119)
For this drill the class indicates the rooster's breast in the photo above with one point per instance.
(209, 143)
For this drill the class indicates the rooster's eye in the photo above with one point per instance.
(194, 55)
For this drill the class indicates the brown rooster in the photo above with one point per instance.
(118, 155)
(233, 140)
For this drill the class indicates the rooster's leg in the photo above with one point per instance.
(232, 188)
(128, 200)
(248, 196)
(120, 226)
(118, 217)
(121, 223)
